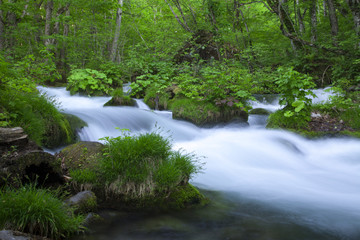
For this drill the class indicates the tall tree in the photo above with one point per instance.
(114, 46)
(287, 26)
(355, 9)
(49, 11)
(2, 27)
(182, 22)
(313, 19)
(333, 18)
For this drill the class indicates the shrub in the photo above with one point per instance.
(89, 81)
(297, 105)
(37, 211)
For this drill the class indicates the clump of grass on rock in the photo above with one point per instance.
(139, 169)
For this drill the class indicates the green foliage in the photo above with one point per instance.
(133, 157)
(343, 106)
(83, 176)
(294, 88)
(37, 211)
(120, 99)
(279, 119)
(219, 84)
(114, 72)
(88, 81)
(198, 112)
(156, 75)
(139, 166)
(37, 115)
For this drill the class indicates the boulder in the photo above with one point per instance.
(80, 155)
(259, 111)
(75, 122)
(16, 235)
(121, 101)
(203, 113)
(22, 160)
(83, 202)
(10, 235)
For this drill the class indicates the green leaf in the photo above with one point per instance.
(299, 105)
(289, 114)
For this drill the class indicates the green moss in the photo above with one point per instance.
(186, 197)
(81, 155)
(181, 197)
(259, 111)
(75, 122)
(201, 112)
(295, 122)
(119, 99)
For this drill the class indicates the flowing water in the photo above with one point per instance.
(264, 184)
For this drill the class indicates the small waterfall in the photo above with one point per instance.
(140, 104)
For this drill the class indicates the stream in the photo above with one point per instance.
(263, 184)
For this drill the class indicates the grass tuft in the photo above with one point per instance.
(38, 212)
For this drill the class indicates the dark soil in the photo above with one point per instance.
(326, 123)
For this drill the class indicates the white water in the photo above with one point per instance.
(317, 183)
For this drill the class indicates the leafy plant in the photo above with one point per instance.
(294, 88)
(89, 81)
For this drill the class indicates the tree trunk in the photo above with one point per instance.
(49, 10)
(183, 24)
(63, 48)
(300, 17)
(286, 24)
(114, 45)
(333, 18)
(313, 19)
(355, 9)
(2, 28)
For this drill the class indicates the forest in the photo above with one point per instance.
(203, 60)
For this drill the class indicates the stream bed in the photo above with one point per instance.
(263, 184)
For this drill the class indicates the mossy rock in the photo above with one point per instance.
(203, 113)
(121, 101)
(80, 155)
(259, 111)
(75, 122)
(58, 133)
(32, 166)
(181, 197)
(83, 202)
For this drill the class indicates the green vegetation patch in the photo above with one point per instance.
(37, 211)
(119, 99)
(37, 115)
(89, 81)
(201, 112)
(137, 167)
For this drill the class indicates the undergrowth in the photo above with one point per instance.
(37, 115)
(37, 211)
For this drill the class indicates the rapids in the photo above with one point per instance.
(307, 185)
